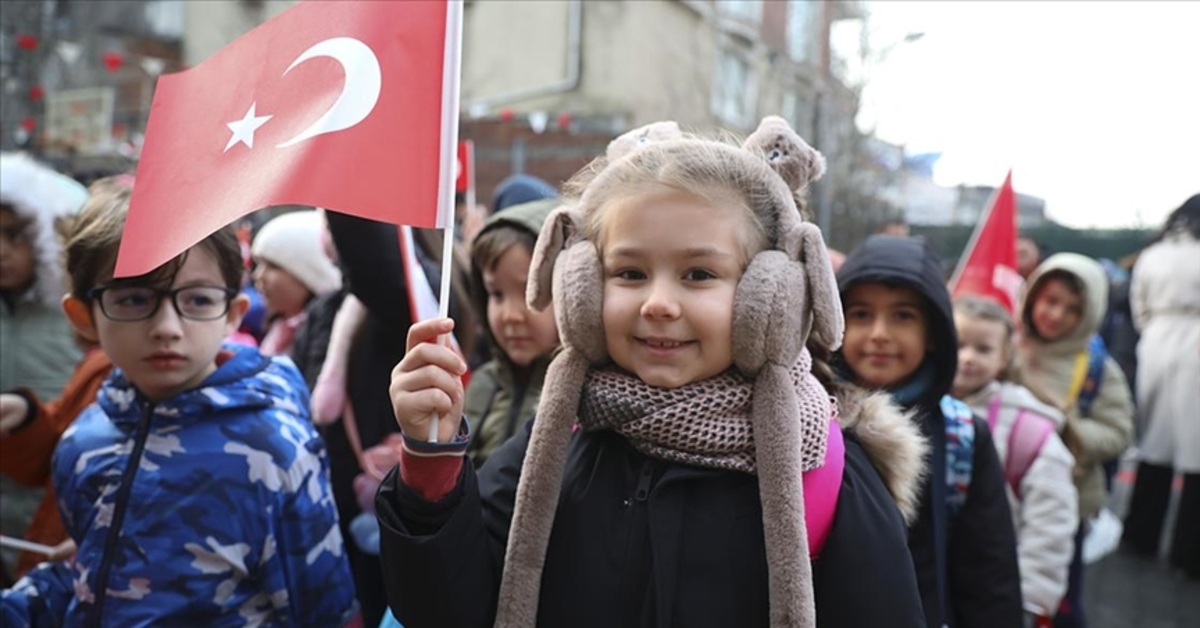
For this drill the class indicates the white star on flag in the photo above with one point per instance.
(243, 130)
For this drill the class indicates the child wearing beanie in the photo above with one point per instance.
(290, 268)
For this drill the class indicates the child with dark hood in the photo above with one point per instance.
(900, 337)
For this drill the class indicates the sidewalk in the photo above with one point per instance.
(1124, 591)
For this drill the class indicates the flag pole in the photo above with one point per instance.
(983, 220)
(25, 546)
(451, 78)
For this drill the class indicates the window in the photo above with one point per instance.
(790, 109)
(801, 16)
(733, 99)
(749, 11)
(165, 18)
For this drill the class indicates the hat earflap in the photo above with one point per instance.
(769, 321)
(566, 270)
(538, 490)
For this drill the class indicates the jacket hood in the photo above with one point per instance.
(36, 192)
(246, 380)
(904, 261)
(519, 189)
(527, 217)
(1095, 299)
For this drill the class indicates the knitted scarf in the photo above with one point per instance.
(712, 423)
(704, 424)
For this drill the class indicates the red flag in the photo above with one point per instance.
(349, 105)
(988, 266)
(465, 168)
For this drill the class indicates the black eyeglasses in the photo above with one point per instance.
(198, 303)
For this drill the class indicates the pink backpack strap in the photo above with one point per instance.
(993, 412)
(821, 489)
(1025, 441)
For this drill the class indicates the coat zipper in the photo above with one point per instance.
(120, 504)
(633, 596)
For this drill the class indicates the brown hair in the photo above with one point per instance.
(94, 238)
(492, 244)
(706, 169)
(1069, 279)
(985, 309)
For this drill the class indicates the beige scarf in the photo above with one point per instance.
(710, 423)
(704, 424)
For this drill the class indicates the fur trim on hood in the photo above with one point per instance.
(892, 441)
(36, 192)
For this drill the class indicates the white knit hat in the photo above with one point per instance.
(292, 241)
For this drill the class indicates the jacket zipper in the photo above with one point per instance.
(633, 597)
(120, 504)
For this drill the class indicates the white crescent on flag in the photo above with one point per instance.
(364, 81)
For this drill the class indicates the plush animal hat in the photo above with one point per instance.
(787, 292)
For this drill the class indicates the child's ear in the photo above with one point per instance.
(79, 312)
(237, 309)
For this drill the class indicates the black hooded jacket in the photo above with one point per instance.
(966, 566)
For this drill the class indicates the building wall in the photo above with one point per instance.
(213, 24)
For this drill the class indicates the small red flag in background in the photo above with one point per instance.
(988, 266)
(465, 166)
(351, 106)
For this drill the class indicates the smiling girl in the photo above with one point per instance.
(687, 460)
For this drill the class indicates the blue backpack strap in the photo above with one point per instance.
(1097, 355)
(960, 452)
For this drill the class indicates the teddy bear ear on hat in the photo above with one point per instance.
(561, 228)
(632, 140)
(789, 155)
(566, 269)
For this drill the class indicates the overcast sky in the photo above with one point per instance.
(1094, 105)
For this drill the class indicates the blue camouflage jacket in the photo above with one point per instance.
(212, 508)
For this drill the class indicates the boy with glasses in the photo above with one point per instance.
(196, 489)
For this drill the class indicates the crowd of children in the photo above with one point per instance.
(659, 405)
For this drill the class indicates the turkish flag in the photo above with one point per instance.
(988, 266)
(350, 105)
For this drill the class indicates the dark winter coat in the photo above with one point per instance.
(966, 567)
(369, 253)
(642, 542)
(311, 341)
